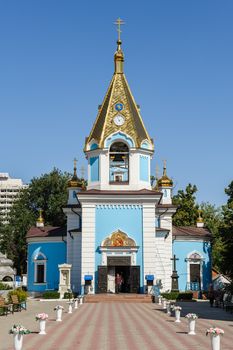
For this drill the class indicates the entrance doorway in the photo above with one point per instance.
(124, 272)
(130, 278)
(195, 273)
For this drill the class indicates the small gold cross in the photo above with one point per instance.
(119, 22)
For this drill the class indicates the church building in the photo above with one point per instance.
(119, 224)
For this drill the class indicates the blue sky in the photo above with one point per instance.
(56, 63)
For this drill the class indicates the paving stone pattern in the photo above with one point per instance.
(111, 326)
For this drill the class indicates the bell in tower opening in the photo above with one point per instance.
(119, 162)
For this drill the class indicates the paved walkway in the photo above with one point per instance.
(124, 326)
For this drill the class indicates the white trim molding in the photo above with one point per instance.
(38, 262)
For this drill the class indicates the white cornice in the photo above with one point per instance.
(122, 198)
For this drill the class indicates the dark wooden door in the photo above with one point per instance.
(134, 279)
(102, 279)
(195, 273)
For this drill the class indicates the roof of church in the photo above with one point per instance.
(118, 93)
(190, 231)
(47, 231)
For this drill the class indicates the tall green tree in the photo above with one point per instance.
(213, 220)
(227, 233)
(47, 192)
(187, 212)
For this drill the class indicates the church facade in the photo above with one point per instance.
(119, 224)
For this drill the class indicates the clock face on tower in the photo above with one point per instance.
(119, 120)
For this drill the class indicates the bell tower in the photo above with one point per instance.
(119, 148)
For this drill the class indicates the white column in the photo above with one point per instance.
(88, 242)
(149, 254)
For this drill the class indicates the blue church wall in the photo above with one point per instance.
(55, 253)
(94, 163)
(182, 249)
(144, 168)
(127, 218)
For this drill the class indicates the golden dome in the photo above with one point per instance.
(165, 181)
(74, 181)
(200, 218)
(40, 218)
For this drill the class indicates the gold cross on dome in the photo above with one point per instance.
(119, 22)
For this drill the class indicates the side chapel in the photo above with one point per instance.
(119, 223)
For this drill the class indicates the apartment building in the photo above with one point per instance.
(9, 190)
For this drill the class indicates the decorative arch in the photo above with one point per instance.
(118, 239)
(119, 136)
(7, 279)
(195, 256)
(40, 256)
(146, 144)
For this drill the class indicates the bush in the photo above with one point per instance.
(21, 294)
(178, 296)
(68, 295)
(185, 296)
(4, 286)
(170, 296)
(51, 295)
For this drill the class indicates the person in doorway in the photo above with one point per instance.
(119, 282)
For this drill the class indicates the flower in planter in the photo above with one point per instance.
(19, 329)
(58, 307)
(214, 331)
(41, 316)
(191, 316)
(177, 308)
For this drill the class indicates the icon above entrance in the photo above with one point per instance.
(118, 239)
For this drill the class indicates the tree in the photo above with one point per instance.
(227, 233)
(47, 192)
(213, 220)
(187, 212)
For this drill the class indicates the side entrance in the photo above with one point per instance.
(130, 276)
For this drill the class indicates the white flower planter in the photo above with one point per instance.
(160, 300)
(81, 300)
(177, 315)
(42, 324)
(215, 342)
(168, 309)
(164, 304)
(59, 315)
(76, 304)
(191, 326)
(18, 341)
(70, 309)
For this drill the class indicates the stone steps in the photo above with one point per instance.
(119, 298)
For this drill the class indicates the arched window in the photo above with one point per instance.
(119, 163)
(40, 262)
